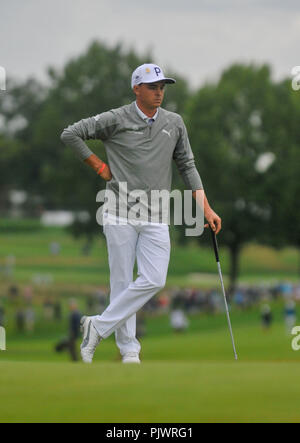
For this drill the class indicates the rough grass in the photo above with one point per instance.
(192, 265)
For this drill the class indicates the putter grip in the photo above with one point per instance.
(215, 243)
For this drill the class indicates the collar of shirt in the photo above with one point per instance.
(148, 120)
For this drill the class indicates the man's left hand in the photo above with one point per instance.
(214, 221)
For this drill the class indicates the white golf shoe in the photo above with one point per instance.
(91, 339)
(131, 357)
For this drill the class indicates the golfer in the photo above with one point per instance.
(141, 140)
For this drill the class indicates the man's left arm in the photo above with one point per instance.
(184, 159)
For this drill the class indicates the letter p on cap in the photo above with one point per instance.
(2, 79)
(157, 70)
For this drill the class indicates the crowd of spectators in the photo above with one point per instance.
(179, 303)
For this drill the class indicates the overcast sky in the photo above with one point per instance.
(197, 38)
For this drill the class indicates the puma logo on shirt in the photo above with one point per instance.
(167, 132)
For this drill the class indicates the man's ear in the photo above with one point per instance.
(136, 89)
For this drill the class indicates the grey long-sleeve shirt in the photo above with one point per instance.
(138, 154)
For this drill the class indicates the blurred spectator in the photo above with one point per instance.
(54, 248)
(266, 316)
(29, 319)
(191, 300)
(151, 306)
(57, 312)
(297, 293)
(69, 343)
(216, 303)
(239, 298)
(96, 302)
(178, 320)
(13, 292)
(20, 320)
(201, 301)
(28, 294)
(86, 249)
(163, 302)
(90, 305)
(101, 301)
(48, 308)
(178, 299)
(286, 289)
(290, 315)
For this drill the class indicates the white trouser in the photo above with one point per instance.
(149, 244)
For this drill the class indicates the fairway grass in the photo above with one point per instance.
(183, 378)
(155, 391)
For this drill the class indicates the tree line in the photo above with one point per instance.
(243, 128)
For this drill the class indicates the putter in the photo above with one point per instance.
(215, 243)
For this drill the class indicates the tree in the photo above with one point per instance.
(10, 170)
(237, 132)
(284, 228)
(19, 107)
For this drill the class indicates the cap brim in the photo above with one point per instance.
(170, 80)
(166, 80)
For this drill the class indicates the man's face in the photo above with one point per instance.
(150, 95)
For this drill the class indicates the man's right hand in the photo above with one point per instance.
(106, 174)
(97, 164)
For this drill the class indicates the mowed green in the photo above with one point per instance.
(153, 392)
(183, 378)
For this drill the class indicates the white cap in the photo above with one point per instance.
(149, 73)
